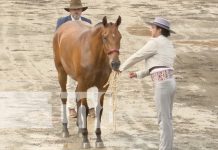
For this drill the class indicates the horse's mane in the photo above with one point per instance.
(97, 27)
(98, 24)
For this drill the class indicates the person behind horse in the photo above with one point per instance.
(75, 11)
(76, 8)
(159, 55)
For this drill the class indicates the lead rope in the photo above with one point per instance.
(113, 83)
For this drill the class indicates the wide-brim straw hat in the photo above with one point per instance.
(76, 4)
(161, 22)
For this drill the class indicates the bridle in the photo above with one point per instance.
(111, 51)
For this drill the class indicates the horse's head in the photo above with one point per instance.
(111, 40)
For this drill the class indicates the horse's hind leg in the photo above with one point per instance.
(82, 111)
(62, 77)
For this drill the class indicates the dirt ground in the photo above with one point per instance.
(29, 90)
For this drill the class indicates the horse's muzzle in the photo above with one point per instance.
(115, 65)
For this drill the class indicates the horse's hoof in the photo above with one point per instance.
(99, 144)
(86, 145)
(66, 134)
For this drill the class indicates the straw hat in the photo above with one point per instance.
(76, 4)
(161, 22)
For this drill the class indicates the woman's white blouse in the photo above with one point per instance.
(157, 51)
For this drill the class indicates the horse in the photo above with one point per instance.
(88, 55)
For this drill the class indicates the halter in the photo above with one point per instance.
(113, 51)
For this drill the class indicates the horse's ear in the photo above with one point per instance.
(118, 21)
(104, 21)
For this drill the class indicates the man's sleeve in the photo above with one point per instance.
(144, 53)
(86, 20)
(59, 22)
(89, 21)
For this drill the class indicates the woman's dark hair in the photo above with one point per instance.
(164, 32)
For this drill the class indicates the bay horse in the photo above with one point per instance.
(88, 55)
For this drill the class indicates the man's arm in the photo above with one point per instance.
(89, 21)
(86, 20)
(59, 23)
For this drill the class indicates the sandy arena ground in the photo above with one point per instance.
(29, 90)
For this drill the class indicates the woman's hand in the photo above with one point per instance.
(132, 75)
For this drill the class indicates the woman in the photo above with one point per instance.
(159, 55)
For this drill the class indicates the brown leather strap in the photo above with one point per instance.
(113, 51)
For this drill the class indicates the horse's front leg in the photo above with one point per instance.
(62, 77)
(99, 110)
(83, 109)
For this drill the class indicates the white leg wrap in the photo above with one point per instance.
(64, 113)
(82, 116)
(98, 116)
